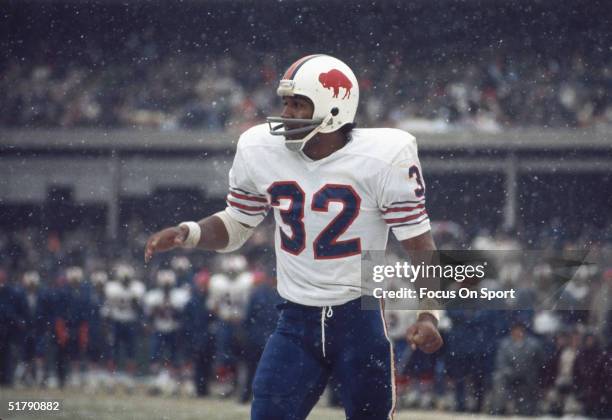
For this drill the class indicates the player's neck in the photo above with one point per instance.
(324, 145)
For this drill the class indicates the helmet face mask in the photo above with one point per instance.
(331, 87)
(305, 125)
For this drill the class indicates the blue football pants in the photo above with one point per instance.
(295, 366)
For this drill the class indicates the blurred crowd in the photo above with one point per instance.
(216, 66)
(74, 315)
(235, 92)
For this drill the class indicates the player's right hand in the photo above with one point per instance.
(165, 240)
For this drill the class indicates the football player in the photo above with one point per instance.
(334, 191)
(228, 298)
(123, 305)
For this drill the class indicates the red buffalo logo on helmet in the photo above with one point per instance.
(335, 79)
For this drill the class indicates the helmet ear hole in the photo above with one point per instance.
(334, 111)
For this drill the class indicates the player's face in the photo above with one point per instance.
(296, 107)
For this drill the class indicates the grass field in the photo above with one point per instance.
(77, 406)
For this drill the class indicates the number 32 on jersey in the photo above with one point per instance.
(326, 245)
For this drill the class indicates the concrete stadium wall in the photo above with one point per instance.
(102, 166)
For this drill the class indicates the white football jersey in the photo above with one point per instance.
(165, 309)
(119, 305)
(228, 297)
(327, 211)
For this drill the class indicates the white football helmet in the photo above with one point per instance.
(99, 278)
(124, 272)
(166, 278)
(233, 263)
(31, 278)
(74, 274)
(180, 263)
(333, 89)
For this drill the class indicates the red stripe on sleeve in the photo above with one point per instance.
(247, 197)
(407, 218)
(398, 209)
(244, 207)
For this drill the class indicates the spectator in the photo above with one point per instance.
(163, 307)
(587, 380)
(197, 325)
(123, 305)
(516, 372)
(35, 335)
(72, 328)
(259, 323)
(605, 410)
(471, 348)
(12, 318)
(229, 291)
(99, 350)
(182, 268)
(564, 386)
(600, 315)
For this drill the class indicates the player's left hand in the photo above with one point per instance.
(424, 335)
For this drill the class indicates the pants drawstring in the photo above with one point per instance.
(326, 312)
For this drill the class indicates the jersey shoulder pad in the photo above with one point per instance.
(153, 298)
(245, 280)
(179, 297)
(258, 135)
(386, 144)
(113, 290)
(218, 282)
(137, 288)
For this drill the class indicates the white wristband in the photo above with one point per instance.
(193, 237)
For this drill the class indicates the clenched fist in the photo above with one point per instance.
(165, 240)
(424, 334)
